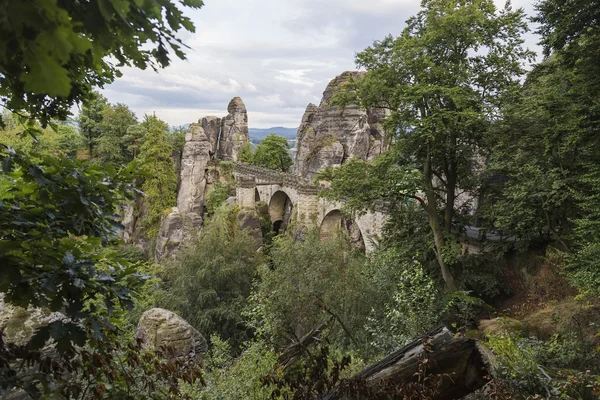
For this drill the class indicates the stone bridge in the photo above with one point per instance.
(293, 199)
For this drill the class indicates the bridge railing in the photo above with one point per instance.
(266, 174)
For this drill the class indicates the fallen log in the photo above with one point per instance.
(436, 366)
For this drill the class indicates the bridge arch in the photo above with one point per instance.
(280, 210)
(334, 223)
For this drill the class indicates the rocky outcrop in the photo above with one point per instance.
(327, 135)
(234, 131)
(175, 230)
(249, 220)
(159, 328)
(212, 129)
(195, 157)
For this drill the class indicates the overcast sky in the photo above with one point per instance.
(277, 55)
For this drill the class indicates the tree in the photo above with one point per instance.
(113, 145)
(571, 28)
(90, 119)
(160, 181)
(273, 153)
(444, 81)
(571, 38)
(538, 151)
(246, 154)
(208, 281)
(90, 40)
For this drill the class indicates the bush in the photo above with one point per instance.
(228, 378)
(217, 196)
(415, 308)
(309, 283)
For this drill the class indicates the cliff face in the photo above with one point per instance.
(327, 136)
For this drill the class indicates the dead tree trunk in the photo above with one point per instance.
(453, 365)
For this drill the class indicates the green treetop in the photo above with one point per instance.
(90, 118)
(273, 153)
(113, 145)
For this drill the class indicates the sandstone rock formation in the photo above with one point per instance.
(212, 130)
(234, 131)
(175, 230)
(161, 328)
(194, 160)
(327, 136)
(249, 219)
(186, 218)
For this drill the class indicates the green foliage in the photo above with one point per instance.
(86, 39)
(90, 119)
(207, 283)
(538, 151)
(116, 367)
(53, 217)
(521, 363)
(245, 155)
(415, 308)
(69, 140)
(309, 283)
(517, 361)
(217, 196)
(570, 28)
(58, 140)
(55, 214)
(177, 139)
(239, 378)
(273, 153)
(160, 180)
(547, 145)
(113, 144)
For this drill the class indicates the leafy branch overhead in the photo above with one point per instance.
(53, 53)
(55, 215)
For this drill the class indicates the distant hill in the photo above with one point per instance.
(288, 133)
(259, 134)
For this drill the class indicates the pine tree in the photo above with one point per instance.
(160, 184)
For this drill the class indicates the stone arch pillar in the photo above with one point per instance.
(245, 192)
(307, 206)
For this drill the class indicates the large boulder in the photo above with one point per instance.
(234, 131)
(18, 324)
(327, 136)
(175, 230)
(162, 329)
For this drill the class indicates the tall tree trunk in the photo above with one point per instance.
(434, 221)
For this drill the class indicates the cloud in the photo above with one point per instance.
(277, 55)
